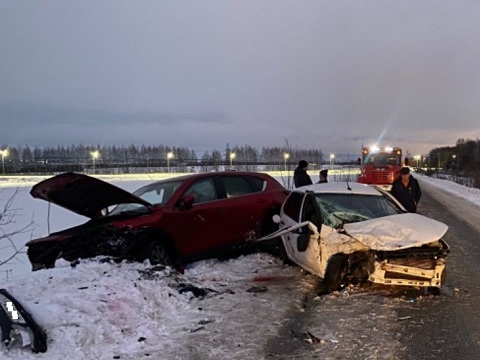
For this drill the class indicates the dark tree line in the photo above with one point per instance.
(461, 160)
(107, 159)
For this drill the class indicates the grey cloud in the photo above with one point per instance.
(202, 74)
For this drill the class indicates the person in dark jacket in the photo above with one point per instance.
(406, 190)
(300, 176)
(323, 176)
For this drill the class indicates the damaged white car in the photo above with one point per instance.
(352, 233)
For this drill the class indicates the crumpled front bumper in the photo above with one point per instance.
(388, 273)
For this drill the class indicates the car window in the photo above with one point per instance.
(257, 183)
(203, 190)
(158, 193)
(309, 213)
(240, 185)
(338, 209)
(292, 205)
(155, 194)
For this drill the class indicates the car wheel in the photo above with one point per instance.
(336, 271)
(159, 253)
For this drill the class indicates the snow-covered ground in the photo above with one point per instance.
(101, 310)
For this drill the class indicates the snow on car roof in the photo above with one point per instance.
(340, 188)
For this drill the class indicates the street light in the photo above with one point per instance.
(417, 158)
(332, 157)
(169, 156)
(4, 154)
(285, 157)
(232, 156)
(95, 154)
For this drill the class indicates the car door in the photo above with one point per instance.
(204, 226)
(245, 204)
(303, 244)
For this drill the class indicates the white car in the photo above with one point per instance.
(351, 233)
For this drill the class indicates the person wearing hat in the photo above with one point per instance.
(300, 176)
(323, 176)
(406, 190)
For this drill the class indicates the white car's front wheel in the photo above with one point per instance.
(337, 269)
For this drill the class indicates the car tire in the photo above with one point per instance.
(158, 253)
(336, 271)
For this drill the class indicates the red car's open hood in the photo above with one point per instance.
(83, 194)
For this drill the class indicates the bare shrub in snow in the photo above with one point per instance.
(9, 229)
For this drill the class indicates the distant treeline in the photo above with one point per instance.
(461, 160)
(107, 159)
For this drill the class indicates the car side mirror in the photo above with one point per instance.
(186, 202)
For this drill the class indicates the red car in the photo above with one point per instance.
(170, 222)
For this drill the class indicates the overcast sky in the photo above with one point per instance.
(321, 74)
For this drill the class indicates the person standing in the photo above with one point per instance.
(323, 176)
(300, 176)
(407, 190)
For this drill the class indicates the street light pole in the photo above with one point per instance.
(232, 156)
(417, 158)
(169, 156)
(95, 154)
(4, 155)
(332, 156)
(285, 158)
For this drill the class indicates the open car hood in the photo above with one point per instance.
(396, 232)
(83, 194)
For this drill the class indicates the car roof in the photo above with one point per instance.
(340, 188)
(216, 173)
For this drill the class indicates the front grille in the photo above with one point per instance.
(408, 277)
(413, 255)
(380, 176)
(426, 264)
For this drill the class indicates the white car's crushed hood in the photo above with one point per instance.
(396, 232)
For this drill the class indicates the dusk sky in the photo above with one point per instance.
(320, 74)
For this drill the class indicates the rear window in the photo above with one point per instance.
(241, 185)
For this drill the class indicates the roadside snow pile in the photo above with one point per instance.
(102, 310)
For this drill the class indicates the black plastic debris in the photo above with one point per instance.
(18, 327)
(195, 290)
(257, 289)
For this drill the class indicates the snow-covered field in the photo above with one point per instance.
(100, 310)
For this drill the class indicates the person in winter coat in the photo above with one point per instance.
(323, 176)
(406, 190)
(300, 176)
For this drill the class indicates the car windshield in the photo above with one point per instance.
(339, 209)
(382, 159)
(156, 194)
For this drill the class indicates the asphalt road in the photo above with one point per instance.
(448, 326)
(397, 324)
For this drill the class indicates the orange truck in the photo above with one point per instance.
(380, 166)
